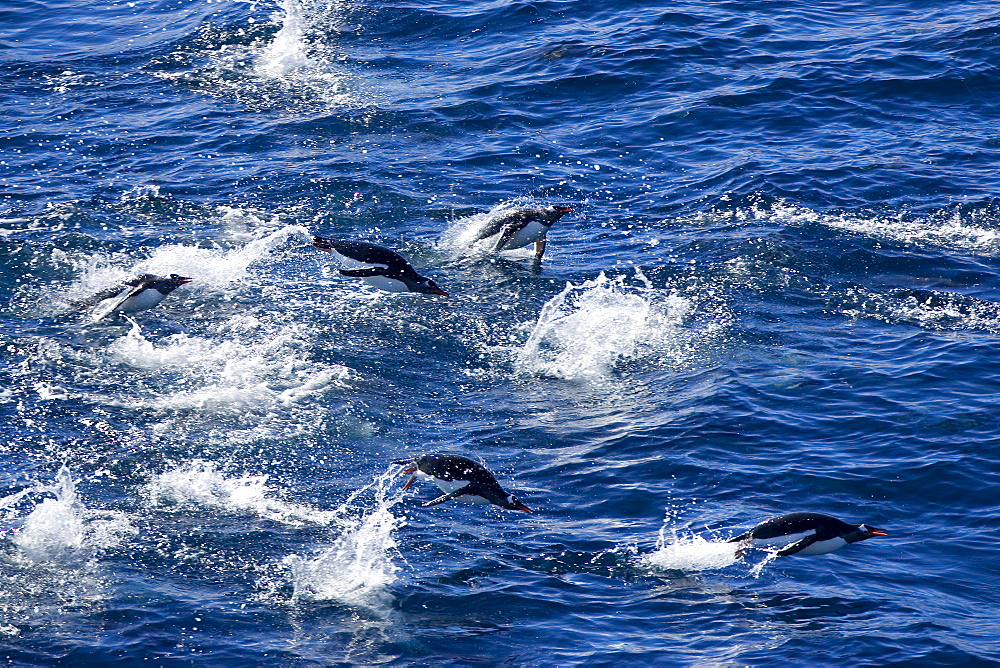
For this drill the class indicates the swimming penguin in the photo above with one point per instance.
(805, 533)
(460, 478)
(137, 294)
(520, 227)
(387, 271)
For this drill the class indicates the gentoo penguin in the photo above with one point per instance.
(520, 227)
(805, 533)
(137, 294)
(387, 269)
(460, 478)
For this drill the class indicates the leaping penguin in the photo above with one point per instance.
(387, 269)
(805, 533)
(520, 227)
(137, 294)
(459, 478)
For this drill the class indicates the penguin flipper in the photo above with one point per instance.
(364, 272)
(488, 231)
(797, 546)
(454, 494)
(108, 306)
(508, 232)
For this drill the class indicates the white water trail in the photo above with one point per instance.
(201, 484)
(299, 55)
(358, 567)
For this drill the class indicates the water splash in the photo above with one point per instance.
(689, 553)
(758, 568)
(358, 567)
(297, 64)
(201, 484)
(62, 528)
(587, 330)
(288, 51)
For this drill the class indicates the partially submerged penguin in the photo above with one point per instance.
(136, 294)
(519, 227)
(459, 478)
(804, 533)
(386, 270)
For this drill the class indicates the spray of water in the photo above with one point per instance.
(587, 330)
(358, 567)
(689, 553)
(62, 529)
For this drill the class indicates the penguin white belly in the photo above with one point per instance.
(146, 299)
(386, 283)
(528, 234)
(824, 546)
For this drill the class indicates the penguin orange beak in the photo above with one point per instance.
(183, 279)
(565, 209)
(879, 532)
(439, 291)
(524, 508)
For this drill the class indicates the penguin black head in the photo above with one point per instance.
(863, 532)
(428, 287)
(554, 213)
(511, 502)
(179, 280)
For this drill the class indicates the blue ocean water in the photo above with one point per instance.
(779, 291)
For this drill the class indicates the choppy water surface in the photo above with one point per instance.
(779, 291)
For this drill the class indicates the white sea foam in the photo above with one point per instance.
(202, 484)
(953, 232)
(300, 56)
(586, 330)
(358, 567)
(939, 311)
